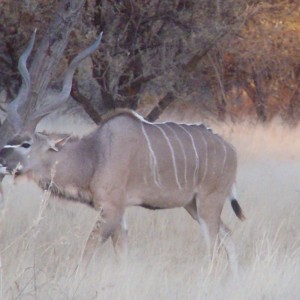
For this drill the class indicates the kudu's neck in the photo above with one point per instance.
(67, 173)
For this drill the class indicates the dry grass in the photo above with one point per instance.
(41, 238)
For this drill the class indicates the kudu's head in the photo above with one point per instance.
(26, 148)
(26, 151)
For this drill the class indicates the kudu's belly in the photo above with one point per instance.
(159, 198)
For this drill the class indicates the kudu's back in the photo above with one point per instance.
(163, 165)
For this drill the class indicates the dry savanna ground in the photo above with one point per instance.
(42, 237)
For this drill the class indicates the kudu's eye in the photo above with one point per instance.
(25, 145)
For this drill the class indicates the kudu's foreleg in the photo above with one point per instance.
(109, 223)
(119, 239)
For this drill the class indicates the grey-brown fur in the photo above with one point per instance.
(113, 168)
(76, 195)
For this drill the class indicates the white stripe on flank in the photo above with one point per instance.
(195, 150)
(172, 154)
(152, 158)
(183, 152)
(206, 158)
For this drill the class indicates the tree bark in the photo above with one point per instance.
(162, 104)
(51, 49)
(257, 96)
(293, 111)
(86, 103)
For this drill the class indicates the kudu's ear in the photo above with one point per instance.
(57, 144)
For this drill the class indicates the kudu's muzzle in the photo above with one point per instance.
(3, 168)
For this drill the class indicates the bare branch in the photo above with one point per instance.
(160, 107)
(85, 103)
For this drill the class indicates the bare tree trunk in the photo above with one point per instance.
(293, 111)
(162, 104)
(86, 103)
(51, 49)
(256, 94)
(47, 56)
(220, 94)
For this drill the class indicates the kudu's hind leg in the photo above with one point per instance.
(209, 221)
(191, 208)
(215, 232)
(226, 241)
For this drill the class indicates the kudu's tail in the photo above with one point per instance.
(235, 205)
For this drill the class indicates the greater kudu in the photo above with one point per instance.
(127, 161)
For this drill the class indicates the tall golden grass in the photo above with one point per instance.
(42, 237)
